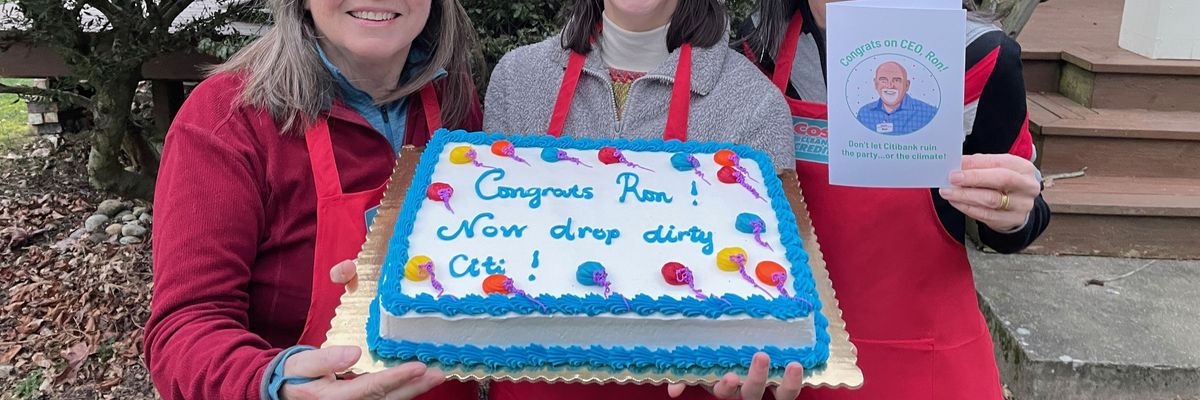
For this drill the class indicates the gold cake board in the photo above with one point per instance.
(349, 324)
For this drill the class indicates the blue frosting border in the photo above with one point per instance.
(682, 359)
(397, 303)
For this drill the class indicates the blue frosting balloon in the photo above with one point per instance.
(550, 154)
(585, 272)
(745, 223)
(680, 162)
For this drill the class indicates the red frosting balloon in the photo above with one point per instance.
(434, 188)
(494, 284)
(670, 273)
(725, 157)
(766, 269)
(500, 146)
(726, 174)
(608, 155)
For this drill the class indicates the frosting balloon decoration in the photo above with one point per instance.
(730, 159)
(754, 225)
(731, 175)
(611, 155)
(504, 148)
(677, 274)
(466, 155)
(420, 268)
(771, 273)
(553, 155)
(733, 259)
(501, 284)
(686, 162)
(439, 191)
(592, 273)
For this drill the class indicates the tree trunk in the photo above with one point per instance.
(111, 103)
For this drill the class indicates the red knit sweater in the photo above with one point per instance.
(234, 234)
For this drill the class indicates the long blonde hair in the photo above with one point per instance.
(285, 76)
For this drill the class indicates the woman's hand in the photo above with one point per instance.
(397, 383)
(755, 384)
(401, 382)
(345, 273)
(998, 190)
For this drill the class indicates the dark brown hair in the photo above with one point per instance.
(699, 22)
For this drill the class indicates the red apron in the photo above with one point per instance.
(904, 284)
(341, 231)
(676, 129)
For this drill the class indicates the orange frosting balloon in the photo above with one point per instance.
(765, 269)
(499, 146)
(725, 157)
(494, 284)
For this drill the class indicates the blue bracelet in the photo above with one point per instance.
(278, 379)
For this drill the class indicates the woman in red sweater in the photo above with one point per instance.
(266, 177)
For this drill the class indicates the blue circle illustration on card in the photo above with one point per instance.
(893, 94)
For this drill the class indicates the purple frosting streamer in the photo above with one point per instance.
(621, 157)
(740, 260)
(508, 285)
(428, 268)
(741, 179)
(685, 275)
(780, 278)
(737, 164)
(512, 153)
(696, 167)
(562, 155)
(445, 195)
(601, 278)
(758, 229)
(473, 156)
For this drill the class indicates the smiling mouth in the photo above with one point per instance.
(377, 16)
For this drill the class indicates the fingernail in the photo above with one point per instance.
(957, 176)
(947, 191)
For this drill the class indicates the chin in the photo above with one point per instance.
(376, 50)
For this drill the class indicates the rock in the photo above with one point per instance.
(92, 223)
(133, 229)
(97, 237)
(78, 233)
(5, 371)
(110, 207)
(125, 216)
(128, 240)
(139, 210)
(1023, 332)
(113, 229)
(146, 219)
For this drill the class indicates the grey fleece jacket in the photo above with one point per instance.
(732, 101)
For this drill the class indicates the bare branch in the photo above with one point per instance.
(51, 93)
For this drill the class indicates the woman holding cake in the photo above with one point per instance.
(266, 175)
(642, 69)
(908, 295)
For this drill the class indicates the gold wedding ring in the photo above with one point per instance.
(1003, 202)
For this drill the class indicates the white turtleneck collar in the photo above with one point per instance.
(632, 51)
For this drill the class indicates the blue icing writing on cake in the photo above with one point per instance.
(522, 252)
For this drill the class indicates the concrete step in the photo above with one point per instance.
(1124, 217)
(1057, 337)
(1070, 46)
(1115, 142)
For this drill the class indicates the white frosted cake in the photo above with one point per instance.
(516, 252)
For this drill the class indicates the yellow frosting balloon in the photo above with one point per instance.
(413, 271)
(723, 261)
(458, 155)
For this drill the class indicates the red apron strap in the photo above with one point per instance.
(566, 94)
(977, 76)
(320, 155)
(787, 52)
(681, 97)
(432, 108)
